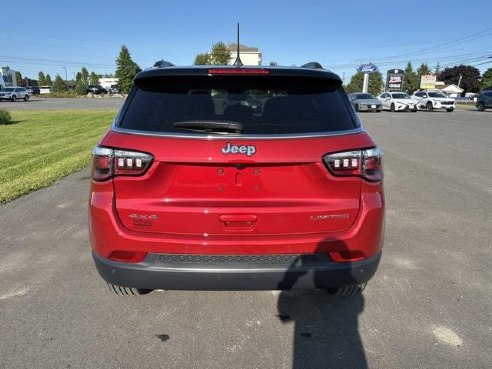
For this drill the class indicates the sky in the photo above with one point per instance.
(62, 36)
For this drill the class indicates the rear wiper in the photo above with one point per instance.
(210, 126)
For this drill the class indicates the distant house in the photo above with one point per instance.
(248, 55)
(452, 90)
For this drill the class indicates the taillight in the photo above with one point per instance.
(364, 163)
(108, 163)
(238, 71)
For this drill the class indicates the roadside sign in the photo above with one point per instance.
(368, 68)
(428, 81)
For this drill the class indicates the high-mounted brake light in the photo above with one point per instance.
(108, 162)
(238, 71)
(364, 163)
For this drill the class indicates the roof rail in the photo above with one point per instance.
(162, 64)
(312, 65)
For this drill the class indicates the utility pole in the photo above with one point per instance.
(66, 78)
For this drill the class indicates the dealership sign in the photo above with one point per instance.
(394, 80)
(367, 68)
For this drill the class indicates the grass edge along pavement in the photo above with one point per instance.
(38, 148)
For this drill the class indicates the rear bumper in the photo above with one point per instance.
(236, 272)
(370, 107)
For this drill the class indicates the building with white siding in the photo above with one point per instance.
(249, 55)
(7, 77)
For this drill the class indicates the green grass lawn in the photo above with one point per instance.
(41, 147)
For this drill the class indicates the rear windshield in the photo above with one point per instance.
(261, 105)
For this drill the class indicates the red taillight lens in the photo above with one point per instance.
(238, 71)
(108, 162)
(364, 163)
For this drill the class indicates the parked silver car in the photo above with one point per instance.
(14, 93)
(362, 101)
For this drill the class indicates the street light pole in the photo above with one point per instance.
(66, 78)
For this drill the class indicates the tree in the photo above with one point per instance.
(59, 85)
(465, 76)
(202, 59)
(49, 82)
(126, 69)
(438, 69)
(273, 64)
(487, 78)
(220, 54)
(376, 83)
(41, 79)
(411, 81)
(85, 76)
(19, 80)
(423, 70)
(93, 79)
(357, 82)
(80, 87)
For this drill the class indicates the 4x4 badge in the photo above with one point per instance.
(248, 150)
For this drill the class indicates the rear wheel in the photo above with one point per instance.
(429, 107)
(481, 106)
(392, 107)
(13, 98)
(347, 290)
(128, 291)
(26, 98)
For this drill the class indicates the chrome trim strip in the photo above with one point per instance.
(237, 136)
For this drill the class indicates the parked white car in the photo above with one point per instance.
(434, 100)
(14, 94)
(397, 101)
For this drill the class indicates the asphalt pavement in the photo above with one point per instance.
(429, 305)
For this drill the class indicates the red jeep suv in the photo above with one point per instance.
(236, 178)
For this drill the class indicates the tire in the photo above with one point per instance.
(392, 108)
(26, 98)
(356, 107)
(449, 110)
(347, 290)
(378, 111)
(127, 291)
(13, 98)
(414, 110)
(429, 107)
(481, 106)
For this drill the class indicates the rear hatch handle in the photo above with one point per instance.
(239, 221)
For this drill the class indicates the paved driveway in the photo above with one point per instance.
(429, 305)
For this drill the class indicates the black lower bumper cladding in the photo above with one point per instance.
(236, 272)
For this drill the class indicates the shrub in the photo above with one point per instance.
(5, 117)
